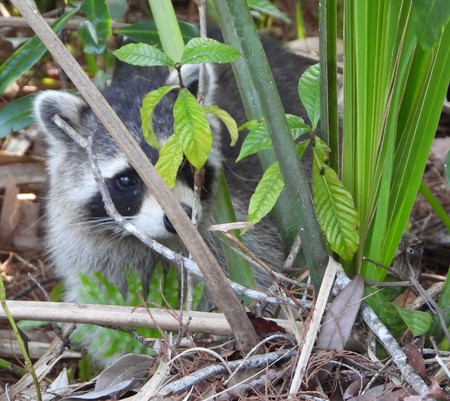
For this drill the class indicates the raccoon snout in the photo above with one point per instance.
(168, 224)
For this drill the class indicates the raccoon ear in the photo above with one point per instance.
(190, 74)
(69, 107)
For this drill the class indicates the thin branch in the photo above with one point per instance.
(254, 362)
(105, 315)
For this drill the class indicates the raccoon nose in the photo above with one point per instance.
(168, 224)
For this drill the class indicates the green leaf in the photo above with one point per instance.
(229, 121)
(192, 129)
(106, 342)
(117, 8)
(251, 124)
(437, 331)
(148, 107)
(301, 147)
(95, 30)
(266, 193)
(238, 267)
(156, 284)
(91, 291)
(143, 55)
(418, 322)
(28, 54)
(437, 207)
(111, 291)
(309, 92)
(145, 32)
(335, 208)
(258, 137)
(171, 281)
(16, 115)
(429, 19)
(206, 50)
(169, 161)
(268, 8)
(297, 126)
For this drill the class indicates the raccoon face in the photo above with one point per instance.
(74, 197)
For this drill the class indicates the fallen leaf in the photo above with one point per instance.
(264, 326)
(340, 317)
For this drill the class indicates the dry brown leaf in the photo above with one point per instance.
(341, 315)
(415, 359)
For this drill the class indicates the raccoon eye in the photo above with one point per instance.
(125, 182)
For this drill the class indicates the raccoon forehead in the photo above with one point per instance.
(110, 167)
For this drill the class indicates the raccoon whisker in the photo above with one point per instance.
(96, 227)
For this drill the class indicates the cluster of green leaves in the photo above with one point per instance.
(192, 137)
(94, 32)
(391, 113)
(420, 323)
(162, 292)
(395, 84)
(334, 205)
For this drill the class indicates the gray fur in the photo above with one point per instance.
(78, 243)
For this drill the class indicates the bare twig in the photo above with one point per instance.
(254, 362)
(314, 326)
(201, 322)
(295, 249)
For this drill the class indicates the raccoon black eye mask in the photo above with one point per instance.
(80, 236)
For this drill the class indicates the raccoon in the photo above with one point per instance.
(81, 237)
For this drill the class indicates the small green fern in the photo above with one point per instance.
(104, 343)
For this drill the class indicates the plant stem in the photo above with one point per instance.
(23, 350)
(328, 80)
(239, 31)
(168, 29)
